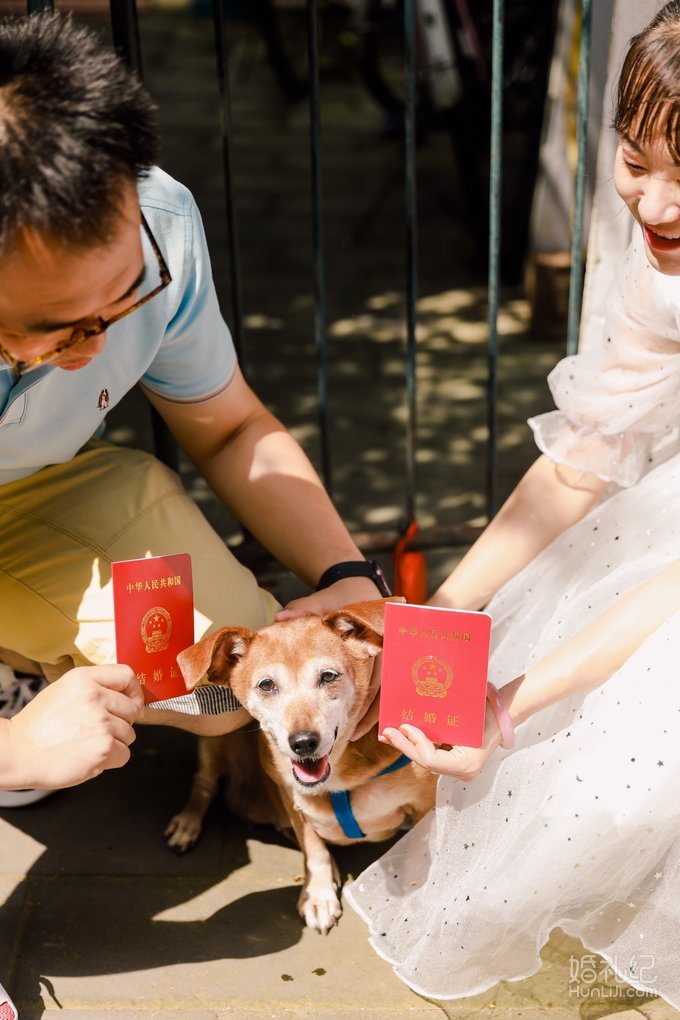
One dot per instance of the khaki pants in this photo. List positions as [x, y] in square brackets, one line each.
[61, 528]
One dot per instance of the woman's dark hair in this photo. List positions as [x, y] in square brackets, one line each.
[648, 98]
[74, 124]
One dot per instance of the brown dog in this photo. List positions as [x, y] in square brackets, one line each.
[307, 681]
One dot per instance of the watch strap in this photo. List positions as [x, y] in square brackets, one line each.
[355, 568]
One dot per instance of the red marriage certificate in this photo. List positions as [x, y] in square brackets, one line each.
[434, 672]
[153, 605]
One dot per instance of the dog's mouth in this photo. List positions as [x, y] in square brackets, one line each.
[312, 771]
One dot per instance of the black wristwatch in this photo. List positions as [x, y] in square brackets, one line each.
[355, 568]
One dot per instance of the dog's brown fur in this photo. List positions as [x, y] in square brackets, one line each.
[307, 682]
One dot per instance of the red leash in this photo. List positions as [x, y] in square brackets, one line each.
[409, 568]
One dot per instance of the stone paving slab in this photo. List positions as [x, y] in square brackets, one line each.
[235, 1012]
[213, 934]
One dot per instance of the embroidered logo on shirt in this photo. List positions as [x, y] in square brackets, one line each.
[103, 401]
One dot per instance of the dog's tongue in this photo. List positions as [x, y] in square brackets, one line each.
[311, 771]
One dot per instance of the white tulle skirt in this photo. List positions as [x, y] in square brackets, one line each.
[578, 827]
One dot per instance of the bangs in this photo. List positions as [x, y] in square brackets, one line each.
[648, 100]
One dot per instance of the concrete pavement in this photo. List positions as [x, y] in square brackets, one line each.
[102, 921]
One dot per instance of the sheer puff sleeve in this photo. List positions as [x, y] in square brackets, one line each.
[619, 401]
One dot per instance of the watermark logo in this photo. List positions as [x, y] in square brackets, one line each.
[591, 977]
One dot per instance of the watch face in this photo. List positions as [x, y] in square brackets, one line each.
[379, 578]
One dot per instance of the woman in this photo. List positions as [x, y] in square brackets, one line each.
[577, 826]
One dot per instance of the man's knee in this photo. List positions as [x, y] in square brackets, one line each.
[19, 663]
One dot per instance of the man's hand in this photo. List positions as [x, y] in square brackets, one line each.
[72, 730]
[336, 596]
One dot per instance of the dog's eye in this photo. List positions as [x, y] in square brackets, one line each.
[328, 676]
[267, 685]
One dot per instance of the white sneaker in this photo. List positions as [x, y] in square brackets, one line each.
[15, 693]
[8, 1010]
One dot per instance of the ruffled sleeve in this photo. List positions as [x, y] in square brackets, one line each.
[619, 401]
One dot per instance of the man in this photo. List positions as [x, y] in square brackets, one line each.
[106, 282]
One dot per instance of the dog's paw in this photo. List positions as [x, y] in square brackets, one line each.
[320, 908]
[182, 831]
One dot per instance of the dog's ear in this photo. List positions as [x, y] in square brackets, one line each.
[361, 624]
[216, 655]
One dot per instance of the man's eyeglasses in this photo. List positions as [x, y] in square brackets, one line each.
[81, 335]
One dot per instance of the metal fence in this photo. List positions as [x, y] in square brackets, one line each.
[417, 16]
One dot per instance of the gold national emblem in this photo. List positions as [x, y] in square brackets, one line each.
[156, 629]
[432, 676]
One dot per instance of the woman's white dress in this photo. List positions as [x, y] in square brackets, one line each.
[578, 827]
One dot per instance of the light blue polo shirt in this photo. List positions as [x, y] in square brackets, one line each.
[178, 345]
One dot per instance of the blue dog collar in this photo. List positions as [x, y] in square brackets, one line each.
[345, 815]
[343, 808]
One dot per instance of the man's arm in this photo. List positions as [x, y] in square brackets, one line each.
[259, 471]
[548, 500]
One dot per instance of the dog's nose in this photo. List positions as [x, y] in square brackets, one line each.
[304, 743]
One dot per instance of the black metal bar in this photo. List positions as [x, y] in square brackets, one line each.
[411, 216]
[125, 32]
[436, 537]
[232, 223]
[381, 541]
[317, 240]
[39, 6]
[495, 180]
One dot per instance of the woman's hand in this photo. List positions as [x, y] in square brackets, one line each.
[460, 762]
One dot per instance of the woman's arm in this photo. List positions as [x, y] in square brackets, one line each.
[599, 650]
[585, 661]
[548, 500]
